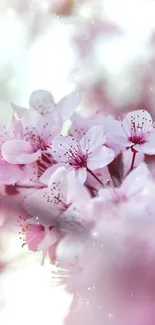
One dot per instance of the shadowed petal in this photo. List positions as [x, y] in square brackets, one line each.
[94, 137]
[136, 180]
[19, 152]
[42, 101]
[68, 104]
[100, 157]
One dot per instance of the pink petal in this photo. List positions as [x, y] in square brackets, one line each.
[19, 152]
[51, 237]
[68, 104]
[80, 126]
[120, 139]
[75, 188]
[146, 148]
[81, 175]
[53, 125]
[100, 157]
[10, 174]
[15, 129]
[48, 173]
[40, 205]
[110, 125]
[34, 235]
[61, 147]
[59, 176]
[52, 252]
[31, 172]
[94, 137]
[74, 220]
[33, 121]
[149, 146]
[19, 111]
[138, 116]
[42, 101]
[136, 180]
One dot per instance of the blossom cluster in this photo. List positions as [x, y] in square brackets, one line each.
[60, 188]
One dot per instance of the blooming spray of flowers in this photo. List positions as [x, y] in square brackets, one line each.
[85, 200]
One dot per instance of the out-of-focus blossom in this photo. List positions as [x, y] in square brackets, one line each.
[136, 132]
[132, 185]
[116, 277]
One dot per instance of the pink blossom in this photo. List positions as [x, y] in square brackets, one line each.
[137, 132]
[76, 199]
[39, 238]
[62, 208]
[51, 201]
[56, 204]
[81, 124]
[115, 278]
[132, 185]
[39, 125]
[43, 102]
[84, 156]
[125, 197]
[34, 235]
[18, 180]
[9, 173]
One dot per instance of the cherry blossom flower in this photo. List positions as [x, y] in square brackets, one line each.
[127, 195]
[40, 238]
[43, 102]
[57, 203]
[51, 201]
[59, 212]
[76, 199]
[84, 156]
[39, 125]
[9, 173]
[81, 124]
[132, 185]
[137, 132]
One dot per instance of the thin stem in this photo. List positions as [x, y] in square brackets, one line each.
[90, 172]
[133, 160]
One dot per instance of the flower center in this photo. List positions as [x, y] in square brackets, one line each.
[56, 197]
[136, 139]
[72, 154]
[37, 142]
[140, 128]
[78, 161]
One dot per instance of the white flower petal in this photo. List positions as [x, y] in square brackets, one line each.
[100, 157]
